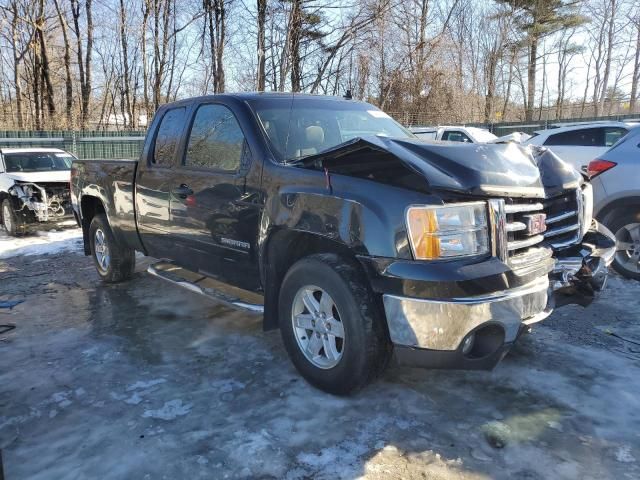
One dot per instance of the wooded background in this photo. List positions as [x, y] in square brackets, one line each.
[109, 64]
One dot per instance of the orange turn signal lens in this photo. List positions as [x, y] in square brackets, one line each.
[423, 224]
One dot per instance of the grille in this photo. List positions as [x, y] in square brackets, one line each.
[517, 244]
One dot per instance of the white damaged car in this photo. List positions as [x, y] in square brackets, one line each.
[34, 189]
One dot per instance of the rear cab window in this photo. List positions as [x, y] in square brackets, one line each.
[168, 137]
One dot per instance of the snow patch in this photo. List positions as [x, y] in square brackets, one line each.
[227, 385]
[42, 243]
[624, 455]
[142, 385]
[169, 411]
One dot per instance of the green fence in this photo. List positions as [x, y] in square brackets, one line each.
[87, 144]
[128, 144]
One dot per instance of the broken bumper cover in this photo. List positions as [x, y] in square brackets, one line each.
[475, 331]
[581, 272]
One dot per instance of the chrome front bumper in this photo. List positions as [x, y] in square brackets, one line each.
[444, 324]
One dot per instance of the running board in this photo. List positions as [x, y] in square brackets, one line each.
[208, 287]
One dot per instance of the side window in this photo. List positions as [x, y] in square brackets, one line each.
[456, 136]
[613, 134]
[216, 140]
[586, 137]
[426, 135]
[168, 137]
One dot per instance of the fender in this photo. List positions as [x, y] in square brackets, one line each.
[616, 203]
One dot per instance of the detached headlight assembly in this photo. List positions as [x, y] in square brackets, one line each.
[454, 230]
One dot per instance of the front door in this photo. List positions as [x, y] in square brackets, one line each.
[214, 205]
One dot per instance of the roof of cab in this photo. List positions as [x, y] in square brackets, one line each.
[244, 96]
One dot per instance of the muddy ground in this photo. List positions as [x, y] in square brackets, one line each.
[143, 380]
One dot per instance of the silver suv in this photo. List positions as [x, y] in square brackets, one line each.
[615, 177]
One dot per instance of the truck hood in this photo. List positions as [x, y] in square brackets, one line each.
[39, 177]
[504, 170]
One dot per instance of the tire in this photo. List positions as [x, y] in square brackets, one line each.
[626, 227]
[10, 220]
[364, 350]
[114, 262]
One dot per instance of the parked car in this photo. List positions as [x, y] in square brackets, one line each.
[580, 143]
[616, 181]
[454, 134]
[465, 135]
[34, 189]
[352, 236]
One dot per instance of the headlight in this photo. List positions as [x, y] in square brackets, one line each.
[586, 203]
[455, 230]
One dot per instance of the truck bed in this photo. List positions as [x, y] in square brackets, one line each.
[112, 182]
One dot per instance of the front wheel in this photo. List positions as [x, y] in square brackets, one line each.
[626, 227]
[114, 262]
[330, 324]
[9, 218]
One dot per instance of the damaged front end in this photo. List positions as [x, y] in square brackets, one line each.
[581, 272]
[43, 204]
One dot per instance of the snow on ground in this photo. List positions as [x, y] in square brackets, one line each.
[41, 243]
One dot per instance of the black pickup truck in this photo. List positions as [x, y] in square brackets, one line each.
[358, 241]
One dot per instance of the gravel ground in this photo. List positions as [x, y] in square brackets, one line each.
[143, 380]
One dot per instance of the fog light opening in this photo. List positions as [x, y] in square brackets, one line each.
[483, 342]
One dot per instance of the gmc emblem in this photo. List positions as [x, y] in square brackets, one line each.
[536, 223]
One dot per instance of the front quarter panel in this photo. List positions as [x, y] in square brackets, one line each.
[365, 216]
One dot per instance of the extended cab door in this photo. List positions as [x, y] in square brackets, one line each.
[154, 180]
[215, 200]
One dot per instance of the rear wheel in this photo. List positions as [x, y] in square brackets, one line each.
[330, 324]
[626, 227]
[9, 218]
[114, 262]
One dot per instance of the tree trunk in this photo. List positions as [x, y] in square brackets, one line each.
[636, 73]
[47, 93]
[221, 32]
[86, 94]
[126, 92]
[262, 16]
[296, 33]
[531, 78]
[491, 85]
[145, 65]
[608, 58]
[68, 81]
[17, 58]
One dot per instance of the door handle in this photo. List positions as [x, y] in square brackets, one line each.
[245, 198]
[183, 191]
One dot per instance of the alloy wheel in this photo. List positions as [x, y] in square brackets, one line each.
[317, 327]
[6, 217]
[101, 250]
[628, 247]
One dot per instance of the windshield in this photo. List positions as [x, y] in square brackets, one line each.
[37, 161]
[299, 127]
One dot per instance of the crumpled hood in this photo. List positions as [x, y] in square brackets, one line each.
[40, 177]
[478, 169]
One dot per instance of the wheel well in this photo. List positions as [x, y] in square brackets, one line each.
[607, 212]
[89, 208]
[284, 248]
